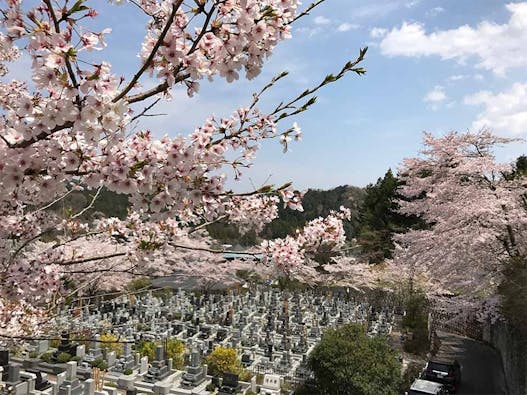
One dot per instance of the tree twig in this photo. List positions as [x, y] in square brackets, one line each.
[89, 206]
[307, 10]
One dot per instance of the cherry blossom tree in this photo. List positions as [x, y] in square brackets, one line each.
[68, 128]
[475, 209]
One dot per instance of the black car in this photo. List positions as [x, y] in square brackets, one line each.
[444, 371]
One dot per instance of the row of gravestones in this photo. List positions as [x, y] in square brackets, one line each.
[282, 323]
[21, 382]
[15, 380]
[149, 309]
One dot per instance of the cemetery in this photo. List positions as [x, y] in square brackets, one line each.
[272, 332]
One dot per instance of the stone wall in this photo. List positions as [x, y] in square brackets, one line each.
[513, 350]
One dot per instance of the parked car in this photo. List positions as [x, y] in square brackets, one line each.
[444, 371]
[424, 387]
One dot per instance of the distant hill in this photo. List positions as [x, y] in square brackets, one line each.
[108, 204]
[316, 203]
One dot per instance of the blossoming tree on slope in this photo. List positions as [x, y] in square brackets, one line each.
[67, 128]
[477, 217]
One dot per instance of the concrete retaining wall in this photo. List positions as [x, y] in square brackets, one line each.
[513, 350]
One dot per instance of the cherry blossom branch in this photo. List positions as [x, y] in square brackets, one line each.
[162, 87]
[145, 110]
[330, 78]
[291, 105]
[42, 135]
[107, 270]
[264, 190]
[71, 239]
[62, 197]
[204, 225]
[89, 206]
[134, 2]
[115, 293]
[307, 10]
[214, 251]
[57, 29]
[153, 52]
[27, 242]
[76, 290]
[90, 259]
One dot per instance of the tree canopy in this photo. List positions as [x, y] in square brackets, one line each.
[223, 360]
[347, 361]
[476, 214]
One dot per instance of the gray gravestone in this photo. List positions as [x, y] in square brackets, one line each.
[159, 353]
[127, 349]
[144, 365]
[111, 358]
[31, 385]
[20, 389]
[162, 388]
[42, 346]
[71, 370]
[61, 377]
[81, 351]
[89, 387]
[111, 390]
[13, 373]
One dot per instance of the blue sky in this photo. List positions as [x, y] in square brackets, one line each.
[431, 65]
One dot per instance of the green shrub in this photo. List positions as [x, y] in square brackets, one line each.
[347, 361]
[63, 357]
[46, 357]
[99, 363]
[33, 354]
[128, 371]
[210, 387]
[416, 322]
[246, 375]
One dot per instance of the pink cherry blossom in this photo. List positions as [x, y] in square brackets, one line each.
[70, 126]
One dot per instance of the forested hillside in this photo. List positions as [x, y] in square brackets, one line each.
[316, 203]
[107, 204]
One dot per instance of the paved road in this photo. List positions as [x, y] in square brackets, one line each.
[481, 368]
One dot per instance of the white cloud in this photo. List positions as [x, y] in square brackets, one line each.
[435, 11]
[436, 95]
[412, 3]
[322, 20]
[495, 47]
[378, 32]
[309, 31]
[456, 77]
[375, 9]
[503, 112]
[344, 27]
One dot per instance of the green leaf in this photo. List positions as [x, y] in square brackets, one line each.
[78, 6]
